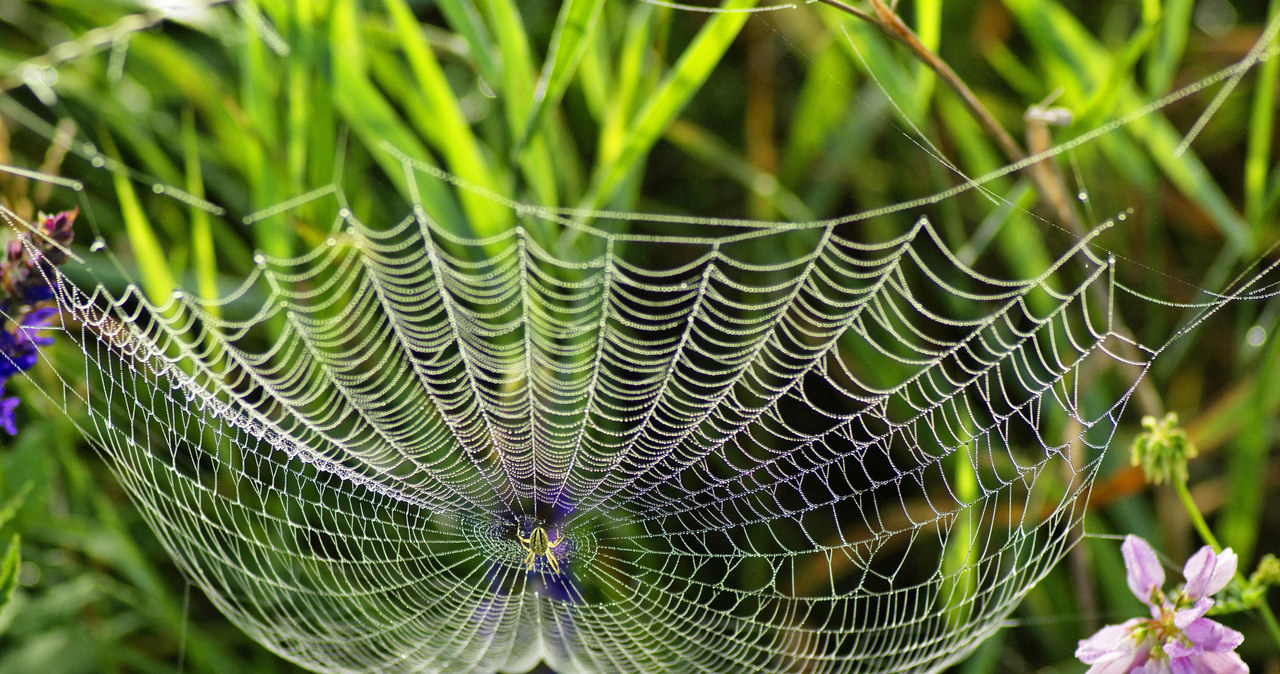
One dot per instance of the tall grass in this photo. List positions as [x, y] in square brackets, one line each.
[796, 114]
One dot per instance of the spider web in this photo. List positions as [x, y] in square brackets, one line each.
[744, 465]
[753, 446]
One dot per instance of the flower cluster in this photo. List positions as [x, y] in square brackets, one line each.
[24, 278]
[1177, 638]
[28, 261]
[1162, 449]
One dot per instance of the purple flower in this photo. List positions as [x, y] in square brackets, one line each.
[19, 352]
[1145, 575]
[25, 272]
[7, 405]
[28, 260]
[19, 349]
[1207, 573]
[1177, 639]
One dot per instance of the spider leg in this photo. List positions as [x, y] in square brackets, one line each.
[529, 560]
[555, 568]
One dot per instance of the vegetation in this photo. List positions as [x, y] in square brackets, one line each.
[797, 114]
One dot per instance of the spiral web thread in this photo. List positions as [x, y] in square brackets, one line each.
[859, 458]
[799, 465]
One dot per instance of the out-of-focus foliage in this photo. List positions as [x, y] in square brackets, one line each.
[793, 114]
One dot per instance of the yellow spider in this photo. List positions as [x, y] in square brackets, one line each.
[539, 545]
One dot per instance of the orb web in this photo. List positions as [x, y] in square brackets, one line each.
[759, 446]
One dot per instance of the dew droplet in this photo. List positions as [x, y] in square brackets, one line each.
[1256, 335]
[331, 241]
[260, 259]
[97, 245]
[1083, 196]
[98, 162]
[157, 188]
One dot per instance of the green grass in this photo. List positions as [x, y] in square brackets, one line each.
[628, 106]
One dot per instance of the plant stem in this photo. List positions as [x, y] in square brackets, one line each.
[1268, 618]
[1196, 518]
[888, 22]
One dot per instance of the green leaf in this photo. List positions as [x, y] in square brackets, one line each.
[823, 102]
[1261, 128]
[1081, 65]
[437, 115]
[1173, 17]
[929, 32]
[260, 92]
[203, 259]
[10, 508]
[569, 42]
[704, 146]
[630, 81]
[153, 265]
[9, 570]
[1240, 521]
[463, 17]
[673, 93]
[376, 122]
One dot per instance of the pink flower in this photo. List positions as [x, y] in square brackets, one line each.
[1177, 639]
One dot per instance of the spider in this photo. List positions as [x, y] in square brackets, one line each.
[539, 545]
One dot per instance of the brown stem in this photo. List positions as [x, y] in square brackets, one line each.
[888, 22]
[891, 25]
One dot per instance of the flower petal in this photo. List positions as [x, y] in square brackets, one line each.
[1223, 572]
[1212, 636]
[1208, 663]
[1220, 663]
[1125, 666]
[1177, 651]
[1198, 570]
[1145, 575]
[1189, 615]
[41, 317]
[32, 323]
[1207, 572]
[1109, 644]
[7, 405]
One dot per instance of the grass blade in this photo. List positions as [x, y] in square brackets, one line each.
[439, 118]
[9, 570]
[673, 93]
[153, 266]
[1082, 65]
[569, 42]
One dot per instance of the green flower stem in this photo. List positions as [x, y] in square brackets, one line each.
[1196, 518]
[1268, 618]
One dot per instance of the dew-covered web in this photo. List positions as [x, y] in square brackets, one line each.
[754, 446]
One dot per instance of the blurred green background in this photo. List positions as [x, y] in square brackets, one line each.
[793, 115]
